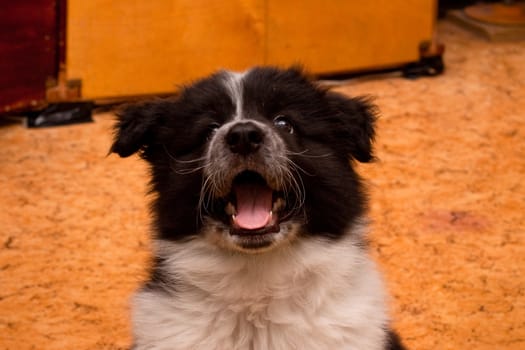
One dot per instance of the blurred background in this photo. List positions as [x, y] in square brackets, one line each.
[57, 50]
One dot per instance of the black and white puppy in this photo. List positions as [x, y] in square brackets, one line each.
[259, 217]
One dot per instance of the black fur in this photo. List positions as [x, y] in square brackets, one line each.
[328, 128]
[331, 131]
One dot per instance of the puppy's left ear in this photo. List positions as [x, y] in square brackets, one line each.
[356, 118]
[137, 127]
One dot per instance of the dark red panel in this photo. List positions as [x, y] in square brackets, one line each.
[29, 55]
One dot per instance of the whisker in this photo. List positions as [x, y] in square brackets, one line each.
[204, 197]
[294, 165]
[303, 154]
[300, 190]
[185, 171]
[188, 170]
[182, 161]
[189, 161]
[292, 183]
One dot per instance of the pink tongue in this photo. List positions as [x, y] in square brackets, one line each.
[254, 203]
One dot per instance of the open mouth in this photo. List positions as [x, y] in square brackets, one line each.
[253, 208]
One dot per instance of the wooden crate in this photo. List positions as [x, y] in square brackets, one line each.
[120, 47]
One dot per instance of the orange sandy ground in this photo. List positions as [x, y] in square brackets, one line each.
[447, 205]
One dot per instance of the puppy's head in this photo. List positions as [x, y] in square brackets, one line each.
[251, 161]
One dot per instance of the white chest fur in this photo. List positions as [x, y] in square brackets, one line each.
[312, 294]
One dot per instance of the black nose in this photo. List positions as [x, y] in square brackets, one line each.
[244, 138]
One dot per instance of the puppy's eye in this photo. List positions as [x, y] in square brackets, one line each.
[281, 122]
[211, 129]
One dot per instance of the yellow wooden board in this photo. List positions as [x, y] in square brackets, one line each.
[122, 47]
[342, 35]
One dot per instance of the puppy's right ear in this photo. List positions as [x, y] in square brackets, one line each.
[137, 127]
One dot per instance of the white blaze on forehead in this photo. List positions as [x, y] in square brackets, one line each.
[233, 84]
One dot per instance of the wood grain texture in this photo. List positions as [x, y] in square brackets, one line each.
[145, 47]
[142, 47]
[342, 36]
